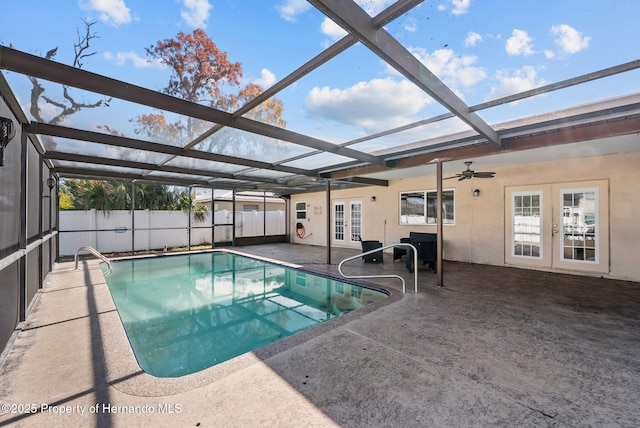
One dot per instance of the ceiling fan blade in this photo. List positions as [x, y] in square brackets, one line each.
[484, 174]
[463, 177]
[455, 176]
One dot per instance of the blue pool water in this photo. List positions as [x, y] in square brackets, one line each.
[184, 313]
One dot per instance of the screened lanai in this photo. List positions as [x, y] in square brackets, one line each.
[335, 95]
[313, 108]
[239, 148]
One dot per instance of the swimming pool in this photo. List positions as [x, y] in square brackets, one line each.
[185, 313]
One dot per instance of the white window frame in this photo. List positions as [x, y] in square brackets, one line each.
[596, 191]
[514, 232]
[344, 220]
[301, 211]
[424, 219]
[353, 235]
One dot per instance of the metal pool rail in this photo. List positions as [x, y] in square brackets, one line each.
[95, 253]
[415, 263]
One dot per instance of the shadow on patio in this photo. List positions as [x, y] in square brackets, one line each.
[496, 347]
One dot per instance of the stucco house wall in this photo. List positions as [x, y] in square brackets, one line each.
[478, 235]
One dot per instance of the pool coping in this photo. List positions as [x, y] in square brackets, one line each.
[124, 373]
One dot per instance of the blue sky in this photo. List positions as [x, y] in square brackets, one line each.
[481, 49]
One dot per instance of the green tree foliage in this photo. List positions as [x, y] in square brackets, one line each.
[197, 210]
[107, 196]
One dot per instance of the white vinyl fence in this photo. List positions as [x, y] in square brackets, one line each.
[157, 229]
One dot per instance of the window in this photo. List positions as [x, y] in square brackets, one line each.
[412, 208]
[250, 207]
[527, 224]
[301, 210]
[420, 207]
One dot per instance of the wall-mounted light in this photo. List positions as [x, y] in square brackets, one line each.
[7, 132]
[373, 199]
[476, 192]
[51, 182]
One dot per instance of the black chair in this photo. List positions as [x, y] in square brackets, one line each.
[398, 252]
[426, 245]
[373, 257]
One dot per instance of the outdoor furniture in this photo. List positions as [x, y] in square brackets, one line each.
[398, 252]
[426, 246]
[373, 257]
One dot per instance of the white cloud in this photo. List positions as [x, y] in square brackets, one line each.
[521, 80]
[112, 12]
[120, 58]
[472, 39]
[454, 70]
[460, 6]
[569, 39]
[373, 105]
[519, 43]
[289, 9]
[410, 25]
[267, 78]
[331, 29]
[196, 12]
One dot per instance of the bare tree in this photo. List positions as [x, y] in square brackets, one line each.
[69, 104]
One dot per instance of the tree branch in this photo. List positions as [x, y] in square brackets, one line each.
[82, 45]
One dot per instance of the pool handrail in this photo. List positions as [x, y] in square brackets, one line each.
[415, 263]
[95, 253]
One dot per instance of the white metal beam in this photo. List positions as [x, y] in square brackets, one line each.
[359, 24]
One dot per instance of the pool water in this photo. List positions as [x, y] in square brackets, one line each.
[185, 313]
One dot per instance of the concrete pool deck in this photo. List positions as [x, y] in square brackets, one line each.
[495, 347]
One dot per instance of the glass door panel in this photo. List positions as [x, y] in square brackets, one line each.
[528, 228]
[356, 221]
[581, 226]
[527, 224]
[579, 218]
[338, 221]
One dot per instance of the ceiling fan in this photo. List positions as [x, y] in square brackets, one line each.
[469, 173]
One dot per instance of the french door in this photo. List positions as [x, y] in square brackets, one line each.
[347, 222]
[558, 226]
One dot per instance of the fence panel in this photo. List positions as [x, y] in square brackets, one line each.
[156, 229]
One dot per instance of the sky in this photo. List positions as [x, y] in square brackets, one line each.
[482, 49]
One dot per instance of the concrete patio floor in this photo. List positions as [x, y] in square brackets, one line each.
[495, 347]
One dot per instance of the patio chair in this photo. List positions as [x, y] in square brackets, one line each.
[373, 257]
[425, 244]
[398, 252]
